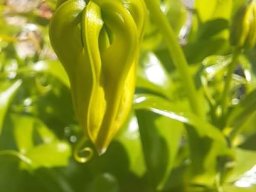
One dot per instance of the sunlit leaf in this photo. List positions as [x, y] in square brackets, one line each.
[233, 188]
[147, 86]
[23, 132]
[152, 74]
[210, 29]
[205, 9]
[6, 97]
[207, 144]
[241, 113]
[211, 75]
[53, 68]
[164, 107]
[164, 146]
[245, 137]
[208, 10]
[160, 139]
[129, 137]
[196, 51]
[41, 180]
[52, 154]
[157, 75]
[46, 135]
[38, 144]
[241, 167]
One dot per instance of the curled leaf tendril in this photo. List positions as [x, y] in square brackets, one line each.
[82, 153]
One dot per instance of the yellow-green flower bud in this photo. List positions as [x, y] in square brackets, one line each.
[97, 41]
[243, 29]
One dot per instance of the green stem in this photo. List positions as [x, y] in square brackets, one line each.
[228, 80]
[176, 54]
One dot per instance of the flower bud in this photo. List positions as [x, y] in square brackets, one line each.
[243, 29]
[98, 43]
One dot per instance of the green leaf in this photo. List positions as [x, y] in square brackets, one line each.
[52, 154]
[25, 128]
[208, 10]
[53, 68]
[41, 180]
[243, 110]
[6, 97]
[247, 139]
[160, 139]
[46, 135]
[129, 137]
[176, 112]
[38, 144]
[205, 9]
[241, 167]
[145, 85]
[233, 188]
[241, 113]
[105, 182]
[210, 28]
[212, 72]
[23, 132]
[152, 75]
[208, 146]
[213, 28]
[196, 51]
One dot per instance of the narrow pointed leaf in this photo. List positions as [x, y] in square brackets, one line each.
[6, 97]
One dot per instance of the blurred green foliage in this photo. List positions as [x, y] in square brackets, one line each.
[163, 146]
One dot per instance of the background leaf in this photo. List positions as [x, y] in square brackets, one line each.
[207, 144]
[6, 97]
[160, 139]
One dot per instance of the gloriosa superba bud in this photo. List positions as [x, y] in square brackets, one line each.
[243, 29]
[97, 41]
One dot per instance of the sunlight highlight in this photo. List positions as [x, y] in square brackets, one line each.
[248, 179]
